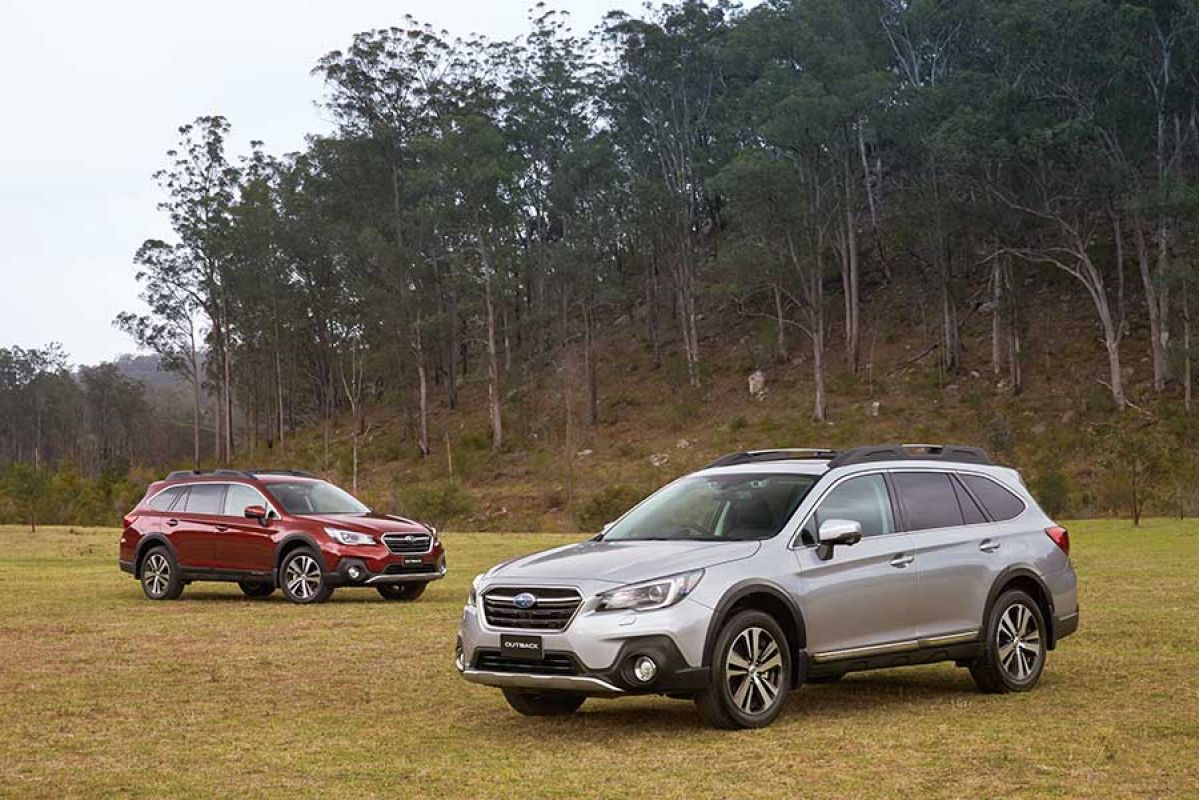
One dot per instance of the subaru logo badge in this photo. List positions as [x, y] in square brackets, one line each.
[409, 538]
[524, 600]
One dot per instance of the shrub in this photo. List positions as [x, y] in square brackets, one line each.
[1052, 489]
[438, 504]
[606, 505]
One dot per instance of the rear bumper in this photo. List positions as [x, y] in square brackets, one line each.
[127, 566]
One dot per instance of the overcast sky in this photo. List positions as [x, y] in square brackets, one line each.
[90, 99]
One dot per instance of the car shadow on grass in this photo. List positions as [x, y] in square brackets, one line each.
[855, 694]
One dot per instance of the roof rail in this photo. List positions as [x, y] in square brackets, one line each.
[781, 454]
[911, 452]
[295, 473]
[182, 473]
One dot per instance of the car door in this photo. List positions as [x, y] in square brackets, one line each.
[859, 601]
[195, 521]
[954, 552]
[241, 544]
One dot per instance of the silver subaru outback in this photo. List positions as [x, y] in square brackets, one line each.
[770, 569]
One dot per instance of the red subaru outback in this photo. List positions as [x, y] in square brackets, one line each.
[268, 529]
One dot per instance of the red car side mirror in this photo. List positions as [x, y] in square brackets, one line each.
[256, 512]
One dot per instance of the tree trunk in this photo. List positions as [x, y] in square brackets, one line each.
[1156, 335]
[589, 356]
[418, 351]
[1186, 347]
[996, 315]
[869, 184]
[195, 370]
[493, 364]
[852, 281]
[780, 336]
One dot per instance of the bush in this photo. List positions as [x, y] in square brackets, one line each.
[438, 504]
[606, 505]
[1051, 488]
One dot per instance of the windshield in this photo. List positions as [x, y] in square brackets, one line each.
[716, 508]
[315, 497]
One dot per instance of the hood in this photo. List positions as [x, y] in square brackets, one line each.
[369, 523]
[621, 562]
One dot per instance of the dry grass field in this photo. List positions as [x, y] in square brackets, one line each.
[108, 695]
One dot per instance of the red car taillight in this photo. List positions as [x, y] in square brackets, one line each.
[1060, 537]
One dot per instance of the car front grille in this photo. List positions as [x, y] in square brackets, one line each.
[550, 664]
[408, 542]
[552, 609]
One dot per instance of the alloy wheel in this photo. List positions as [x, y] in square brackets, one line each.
[1018, 642]
[303, 577]
[156, 574]
[753, 670]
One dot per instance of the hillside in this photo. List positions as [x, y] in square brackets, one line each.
[552, 475]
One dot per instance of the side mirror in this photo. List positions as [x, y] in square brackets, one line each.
[837, 531]
[256, 512]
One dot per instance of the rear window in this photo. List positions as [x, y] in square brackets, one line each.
[166, 498]
[1000, 503]
[927, 500]
[205, 498]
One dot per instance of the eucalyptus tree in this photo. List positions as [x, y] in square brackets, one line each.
[201, 186]
[666, 84]
[171, 329]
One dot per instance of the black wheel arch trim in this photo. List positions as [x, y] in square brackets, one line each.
[148, 541]
[739, 591]
[290, 540]
[1007, 576]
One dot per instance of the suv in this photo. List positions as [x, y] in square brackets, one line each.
[267, 529]
[770, 569]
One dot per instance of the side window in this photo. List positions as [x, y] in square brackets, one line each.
[206, 498]
[998, 501]
[238, 497]
[971, 513]
[165, 499]
[864, 500]
[927, 500]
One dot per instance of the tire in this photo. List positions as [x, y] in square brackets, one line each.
[302, 577]
[401, 591]
[159, 575]
[1014, 646]
[750, 673]
[256, 588]
[543, 704]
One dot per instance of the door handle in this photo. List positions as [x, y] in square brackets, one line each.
[172, 523]
[902, 560]
[222, 528]
[988, 545]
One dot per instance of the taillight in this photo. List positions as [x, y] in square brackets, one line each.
[1060, 537]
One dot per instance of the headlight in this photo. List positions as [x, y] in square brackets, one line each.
[349, 537]
[472, 597]
[650, 595]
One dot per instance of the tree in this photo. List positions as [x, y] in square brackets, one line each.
[171, 329]
[27, 487]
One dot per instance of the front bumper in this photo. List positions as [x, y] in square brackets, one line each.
[352, 571]
[596, 652]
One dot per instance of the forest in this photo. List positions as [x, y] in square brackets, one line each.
[484, 211]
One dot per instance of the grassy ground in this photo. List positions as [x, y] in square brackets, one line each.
[106, 694]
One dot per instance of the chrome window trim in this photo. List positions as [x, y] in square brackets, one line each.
[270, 507]
[796, 544]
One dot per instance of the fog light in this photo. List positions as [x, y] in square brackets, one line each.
[354, 572]
[459, 658]
[644, 669]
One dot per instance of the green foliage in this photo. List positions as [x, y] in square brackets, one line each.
[439, 504]
[28, 491]
[606, 505]
[1051, 488]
